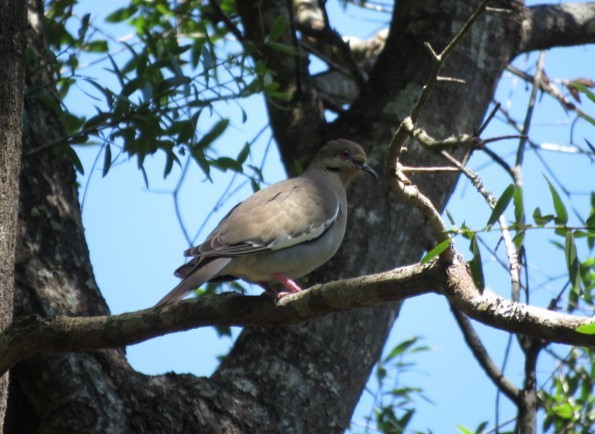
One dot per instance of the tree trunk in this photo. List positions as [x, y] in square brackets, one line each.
[12, 60]
[299, 379]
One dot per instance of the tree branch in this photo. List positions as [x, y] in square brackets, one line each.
[33, 334]
[504, 314]
[566, 24]
[483, 358]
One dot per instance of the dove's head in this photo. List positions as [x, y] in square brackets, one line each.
[343, 158]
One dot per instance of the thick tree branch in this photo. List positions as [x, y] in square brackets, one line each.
[33, 334]
[493, 310]
[566, 24]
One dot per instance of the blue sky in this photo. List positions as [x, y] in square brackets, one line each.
[136, 242]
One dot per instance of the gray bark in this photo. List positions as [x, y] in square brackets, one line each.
[12, 55]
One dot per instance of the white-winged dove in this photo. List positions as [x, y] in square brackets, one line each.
[282, 232]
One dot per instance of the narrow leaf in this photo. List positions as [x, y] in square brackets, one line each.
[572, 265]
[284, 48]
[75, 160]
[501, 204]
[278, 27]
[540, 219]
[519, 207]
[213, 134]
[400, 348]
[587, 329]
[243, 153]
[107, 161]
[561, 213]
[120, 15]
[475, 265]
[441, 247]
[564, 411]
[584, 89]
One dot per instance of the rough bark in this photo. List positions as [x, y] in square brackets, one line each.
[291, 379]
[12, 56]
[562, 25]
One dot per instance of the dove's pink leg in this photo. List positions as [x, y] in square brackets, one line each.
[291, 286]
[288, 283]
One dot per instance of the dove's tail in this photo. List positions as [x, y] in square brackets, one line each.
[204, 272]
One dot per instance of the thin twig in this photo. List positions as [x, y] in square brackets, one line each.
[511, 253]
[527, 124]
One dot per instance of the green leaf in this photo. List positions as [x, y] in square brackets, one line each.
[519, 207]
[213, 134]
[225, 163]
[169, 163]
[120, 15]
[565, 411]
[439, 248]
[75, 160]
[586, 329]
[464, 430]
[561, 213]
[587, 117]
[572, 265]
[173, 82]
[400, 348]
[107, 161]
[96, 121]
[541, 220]
[583, 89]
[278, 28]
[200, 158]
[254, 185]
[84, 27]
[284, 48]
[481, 427]
[518, 239]
[243, 155]
[99, 46]
[501, 204]
[475, 265]
[207, 58]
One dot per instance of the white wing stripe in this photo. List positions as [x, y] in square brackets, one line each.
[309, 234]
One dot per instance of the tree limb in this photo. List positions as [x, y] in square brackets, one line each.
[562, 25]
[493, 310]
[34, 334]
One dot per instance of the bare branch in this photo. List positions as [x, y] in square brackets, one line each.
[405, 190]
[528, 117]
[561, 25]
[483, 358]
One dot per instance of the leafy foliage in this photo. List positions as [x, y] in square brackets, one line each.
[394, 402]
[170, 79]
[569, 402]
